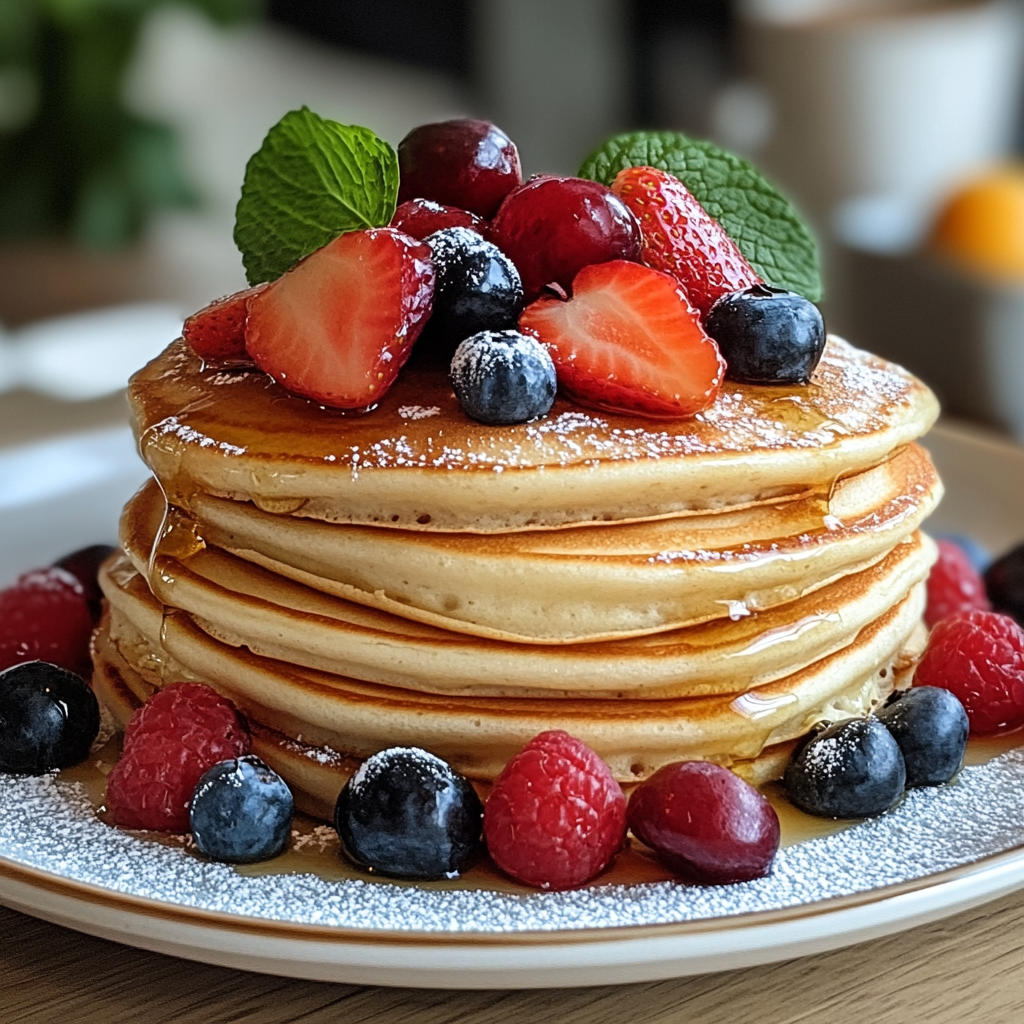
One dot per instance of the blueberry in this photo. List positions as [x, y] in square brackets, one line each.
[84, 565]
[767, 335]
[852, 769]
[241, 811]
[408, 814]
[477, 288]
[49, 718]
[930, 726]
[1004, 584]
[503, 377]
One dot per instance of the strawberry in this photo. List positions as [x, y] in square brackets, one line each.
[340, 324]
[681, 238]
[217, 332]
[628, 341]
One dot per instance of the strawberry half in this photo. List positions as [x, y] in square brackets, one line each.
[217, 332]
[629, 341]
[340, 324]
[682, 238]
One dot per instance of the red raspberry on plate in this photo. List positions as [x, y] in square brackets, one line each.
[45, 616]
[169, 743]
[556, 817]
[217, 332]
[954, 585]
[979, 657]
[681, 238]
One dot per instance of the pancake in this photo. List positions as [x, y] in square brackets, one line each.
[316, 774]
[478, 735]
[418, 462]
[595, 583]
[246, 606]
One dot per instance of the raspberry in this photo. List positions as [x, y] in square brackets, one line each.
[555, 817]
[979, 657]
[169, 743]
[45, 617]
[954, 585]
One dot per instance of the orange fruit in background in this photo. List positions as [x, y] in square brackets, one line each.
[982, 225]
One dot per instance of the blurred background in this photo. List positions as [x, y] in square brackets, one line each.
[125, 126]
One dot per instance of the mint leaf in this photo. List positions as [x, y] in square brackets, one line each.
[309, 182]
[759, 219]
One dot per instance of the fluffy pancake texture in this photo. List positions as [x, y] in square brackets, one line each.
[708, 589]
[418, 462]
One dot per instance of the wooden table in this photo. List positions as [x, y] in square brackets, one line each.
[964, 969]
[968, 968]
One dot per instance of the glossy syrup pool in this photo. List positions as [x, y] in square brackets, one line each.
[315, 848]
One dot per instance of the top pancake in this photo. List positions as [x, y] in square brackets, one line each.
[417, 462]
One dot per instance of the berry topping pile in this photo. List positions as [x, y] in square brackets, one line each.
[408, 814]
[343, 284]
[555, 817]
[180, 733]
[628, 340]
[471, 165]
[48, 718]
[422, 217]
[979, 657]
[241, 811]
[338, 327]
[554, 227]
[767, 335]
[705, 823]
[681, 238]
[503, 377]
[477, 288]
[954, 585]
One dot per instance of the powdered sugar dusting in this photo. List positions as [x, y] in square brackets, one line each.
[53, 828]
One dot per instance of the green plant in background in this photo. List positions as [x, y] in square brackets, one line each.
[74, 162]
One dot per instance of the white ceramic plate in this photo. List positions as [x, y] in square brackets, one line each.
[821, 896]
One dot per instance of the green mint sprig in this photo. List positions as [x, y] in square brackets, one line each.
[758, 218]
[310, 181]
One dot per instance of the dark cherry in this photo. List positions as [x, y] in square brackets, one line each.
[552, 228]
[422, 217]
[1004, 583]
[705, 823]
[468, 164]
[84, 565]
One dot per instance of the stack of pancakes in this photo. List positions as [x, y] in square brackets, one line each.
[703, 589]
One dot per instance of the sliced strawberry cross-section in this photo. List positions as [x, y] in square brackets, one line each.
[339, 326]
[682, 238]
[217, 332]
[629, 341]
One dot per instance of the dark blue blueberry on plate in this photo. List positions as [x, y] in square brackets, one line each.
[241, 811]
[503, 377]
[477, 288]
[1004, 584]
[767, 335]
[408, 814]
[49, 718]
[930, 726]
[853, 769]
